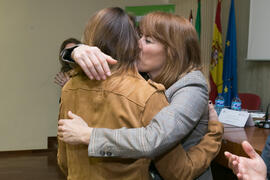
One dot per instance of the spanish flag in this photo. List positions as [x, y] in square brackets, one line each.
[216, 64]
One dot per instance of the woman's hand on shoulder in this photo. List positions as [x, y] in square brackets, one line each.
[61, 78]
[93, 62]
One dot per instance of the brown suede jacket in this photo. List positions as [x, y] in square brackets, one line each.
[129, 101]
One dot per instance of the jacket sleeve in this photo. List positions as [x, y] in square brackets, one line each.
[200, 156]
[62, 157]
[61, 151]
[153, 106]
[178, 164]
[166, 129]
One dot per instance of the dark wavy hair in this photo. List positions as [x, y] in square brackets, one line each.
[113, 32]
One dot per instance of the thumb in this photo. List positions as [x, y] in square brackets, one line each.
[211, 107]
[110, 60]
[249, 150]
[212, 112]
[72, 116]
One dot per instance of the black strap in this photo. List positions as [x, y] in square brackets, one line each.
[66, 54]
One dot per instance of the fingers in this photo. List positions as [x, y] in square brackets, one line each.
[93, 62]
[60, 138]
[60, 122]
[110, 60]
[249, 150]
[58, 77]
[102, 66]
[56, 81]
[239, 176]
[210, 105]
[99, 60]
[61, 79]
[61, 75]
[227, 154]
[61, 126]
[229, 157]
[66, 77]
[233, 161]
[212, 112]
[73, 116]
[60, 134]
[85, 68]
[104, 63]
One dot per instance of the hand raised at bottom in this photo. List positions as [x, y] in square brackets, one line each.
[247, 168]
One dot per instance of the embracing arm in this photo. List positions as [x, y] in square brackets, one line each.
[61, 151]
[178, 164]
[167, 128]
[62, 157]
[200, 156]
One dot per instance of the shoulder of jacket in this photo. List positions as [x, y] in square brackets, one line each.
[195, 78]
[157, 86]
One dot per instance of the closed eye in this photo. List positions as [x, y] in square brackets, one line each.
[148, 40]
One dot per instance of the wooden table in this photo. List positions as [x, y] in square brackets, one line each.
[233, 137]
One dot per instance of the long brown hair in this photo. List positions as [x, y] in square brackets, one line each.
[65, 67]
[112, 31]
[180, 41]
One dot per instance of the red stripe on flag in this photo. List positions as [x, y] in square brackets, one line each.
[217, 20]
[213, 90]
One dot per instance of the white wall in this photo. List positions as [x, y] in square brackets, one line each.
[259, 27]
[30, 35]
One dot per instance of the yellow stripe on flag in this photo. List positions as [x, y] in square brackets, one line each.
[216, 64]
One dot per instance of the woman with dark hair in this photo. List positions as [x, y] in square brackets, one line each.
[123, 100]
[171, 55]
[63, 76]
